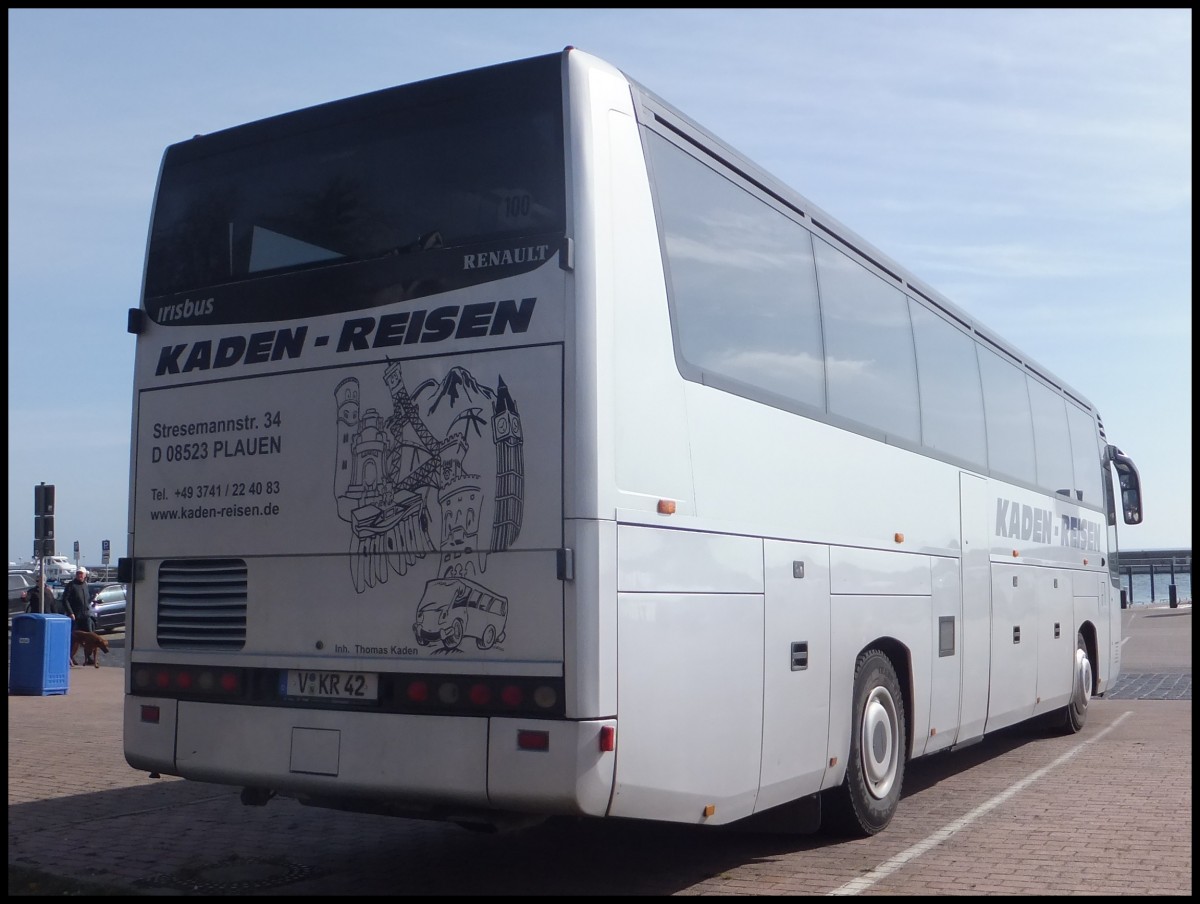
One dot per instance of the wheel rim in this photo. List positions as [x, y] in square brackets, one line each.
[1083, 679]
[879, 743]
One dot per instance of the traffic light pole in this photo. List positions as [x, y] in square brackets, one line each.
[43, 535]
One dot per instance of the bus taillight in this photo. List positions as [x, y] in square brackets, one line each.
[480, 694]
[187, 681]
[511, 695]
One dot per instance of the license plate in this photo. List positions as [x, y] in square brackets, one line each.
[350, 686]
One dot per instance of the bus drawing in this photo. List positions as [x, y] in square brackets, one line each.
[452, 609]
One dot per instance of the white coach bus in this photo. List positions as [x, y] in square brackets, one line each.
[506, 445]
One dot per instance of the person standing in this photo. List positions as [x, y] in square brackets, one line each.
[75, 600]
[41, 589]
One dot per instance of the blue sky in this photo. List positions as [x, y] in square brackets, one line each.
[1032, 165]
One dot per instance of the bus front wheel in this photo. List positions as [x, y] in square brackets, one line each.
[1075, 712]
[866, 800]
[454, 635]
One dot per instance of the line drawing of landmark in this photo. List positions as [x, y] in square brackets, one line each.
[399, 482]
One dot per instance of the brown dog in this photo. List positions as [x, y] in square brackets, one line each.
[91, 643]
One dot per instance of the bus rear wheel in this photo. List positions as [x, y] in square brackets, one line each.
[867, 799]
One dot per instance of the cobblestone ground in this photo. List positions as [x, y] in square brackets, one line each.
[1152, 686]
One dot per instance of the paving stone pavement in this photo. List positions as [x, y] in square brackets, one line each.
[1106, 811]
[1152, 686]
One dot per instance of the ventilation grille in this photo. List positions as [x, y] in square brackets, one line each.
[202, 604]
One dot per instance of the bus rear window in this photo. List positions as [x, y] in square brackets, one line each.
[453, 161]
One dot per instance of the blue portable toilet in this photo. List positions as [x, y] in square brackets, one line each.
[38, 661]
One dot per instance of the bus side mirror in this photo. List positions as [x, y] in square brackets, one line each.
[1131, 485]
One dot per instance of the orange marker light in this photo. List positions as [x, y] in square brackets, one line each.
[666, 506]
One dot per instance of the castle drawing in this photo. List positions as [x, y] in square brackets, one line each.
[422, 472]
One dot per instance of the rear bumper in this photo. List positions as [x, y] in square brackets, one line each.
[340, 758]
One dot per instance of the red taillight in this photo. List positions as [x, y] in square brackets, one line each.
[186, 680]
[608, 738]
[480, 694]
[511, 695]
[533, 740]
[418, 692]
[150, 714]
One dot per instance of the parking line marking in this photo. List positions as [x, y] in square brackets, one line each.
[854, 886]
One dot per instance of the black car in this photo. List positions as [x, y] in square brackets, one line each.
[18, 584]
[108, 608]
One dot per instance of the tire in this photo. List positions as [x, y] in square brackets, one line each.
[867, 799]
[1075, 712]
[455, 635]
[488, 640]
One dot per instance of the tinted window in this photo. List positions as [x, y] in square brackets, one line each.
[1085, 456]
[870, 364]
[764, 308]
[1052, 442]
[1009, 423]
[468, 158]
[742, 280]
[951, 395]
